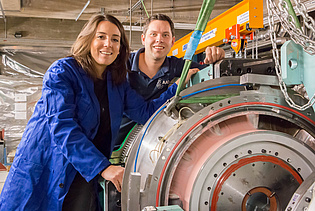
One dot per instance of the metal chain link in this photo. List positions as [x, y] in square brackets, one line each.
[286, 20]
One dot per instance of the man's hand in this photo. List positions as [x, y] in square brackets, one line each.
[189, 74]
[115, 175]
[213, 54]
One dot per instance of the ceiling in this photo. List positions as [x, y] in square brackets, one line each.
[47, 28]
[56, 23]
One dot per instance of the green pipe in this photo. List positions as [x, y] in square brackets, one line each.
[204, 15]
[203, 18]
[293, 14]
[207, 99]
[146, 12]
[183, 77]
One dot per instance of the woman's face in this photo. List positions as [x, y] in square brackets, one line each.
[105, 45]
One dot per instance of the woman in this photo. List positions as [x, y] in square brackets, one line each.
[69, 138]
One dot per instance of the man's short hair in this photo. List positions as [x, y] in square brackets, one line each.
[160, 17]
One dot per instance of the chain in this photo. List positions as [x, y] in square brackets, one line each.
[296, 35]
[307, 20]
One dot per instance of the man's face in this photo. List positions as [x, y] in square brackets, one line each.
[158, 39]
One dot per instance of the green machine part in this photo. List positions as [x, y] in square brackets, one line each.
[172, 207]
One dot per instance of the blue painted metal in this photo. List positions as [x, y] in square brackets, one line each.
[5, 158]
[298, 67]
[203, 75]
[172, 207]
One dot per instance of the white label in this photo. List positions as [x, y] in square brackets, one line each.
[243, 18]
[185, 47]
[20, 115]
[234, 44]
[175, 52]
[20, 106]
[20, 97]
[208, 35]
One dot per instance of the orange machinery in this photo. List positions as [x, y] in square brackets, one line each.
[234, 26]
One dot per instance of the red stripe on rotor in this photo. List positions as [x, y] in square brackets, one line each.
[243, 162]
[209, 115]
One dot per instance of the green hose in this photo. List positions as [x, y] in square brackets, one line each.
[203, 18]
[293, 14]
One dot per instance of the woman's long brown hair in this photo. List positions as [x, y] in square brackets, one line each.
[81, 49]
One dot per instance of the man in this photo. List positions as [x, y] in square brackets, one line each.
[151, 69]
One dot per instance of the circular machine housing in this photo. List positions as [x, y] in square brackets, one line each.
[249, 151]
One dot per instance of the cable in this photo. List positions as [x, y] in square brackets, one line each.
[159, 146]
[194, 93]
[136, 160]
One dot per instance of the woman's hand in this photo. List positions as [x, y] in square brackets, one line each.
[115, 175]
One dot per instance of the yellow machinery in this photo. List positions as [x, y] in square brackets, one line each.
[235, 25]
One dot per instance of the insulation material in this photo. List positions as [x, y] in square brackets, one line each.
[21, 73]
[14, 68]
[18, 97]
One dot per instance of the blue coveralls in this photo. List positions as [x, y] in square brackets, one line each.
[57, 143]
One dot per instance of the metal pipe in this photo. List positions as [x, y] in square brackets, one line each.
[136, 5]
[173, 14]
[130, 31]
[85, 6]
[103, 11]
[257, 45]
[2, 10]
[140, 21]
[253, 52]
[5, 29]
[4, 19]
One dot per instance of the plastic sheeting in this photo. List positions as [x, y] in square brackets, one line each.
[18, 97]
[21, 72]
[15, 68]
[30, 62]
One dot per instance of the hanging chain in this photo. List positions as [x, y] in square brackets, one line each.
[296, 34]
